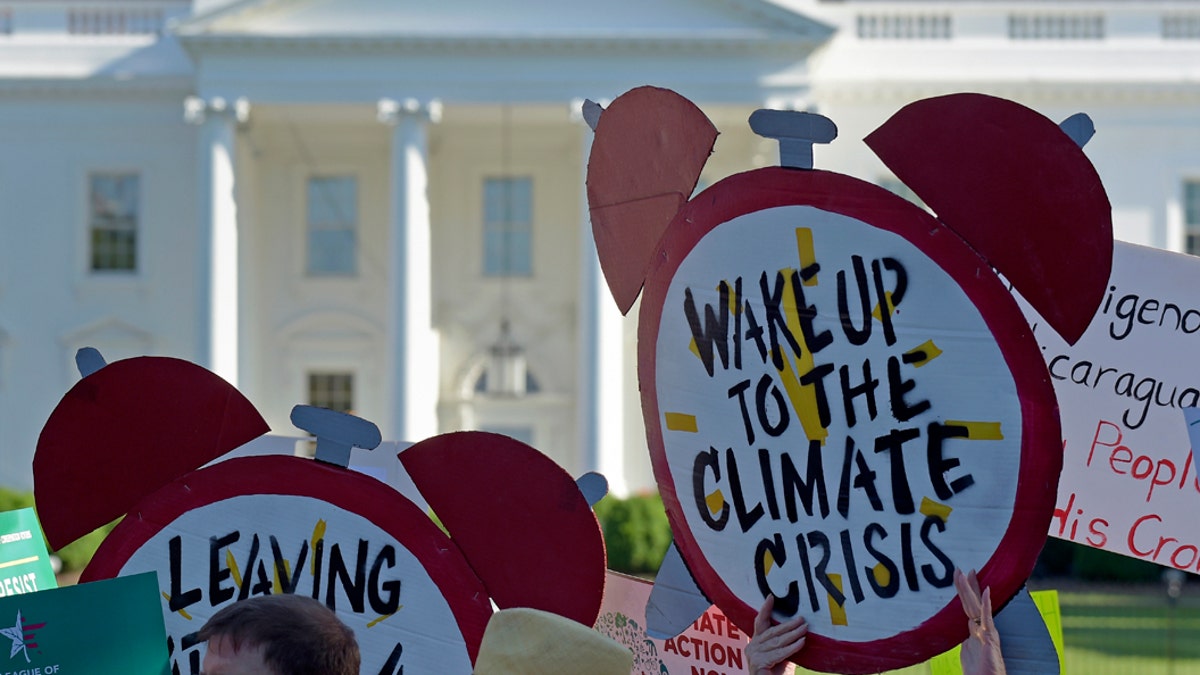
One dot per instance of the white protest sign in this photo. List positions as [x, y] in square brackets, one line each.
[267, 525]
[1129, 481]
[843, 457]
[880, 515]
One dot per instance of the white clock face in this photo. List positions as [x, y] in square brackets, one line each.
[214, 555]
[841, 457]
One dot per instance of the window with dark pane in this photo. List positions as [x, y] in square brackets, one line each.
[113, 221]
[1191, 217]
[331, 390]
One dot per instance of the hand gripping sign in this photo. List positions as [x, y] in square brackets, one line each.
[843, 402]
[129, 438]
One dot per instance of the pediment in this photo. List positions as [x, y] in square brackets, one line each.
[113, 338]
[525, 21]
[328, 327]
[108, 331]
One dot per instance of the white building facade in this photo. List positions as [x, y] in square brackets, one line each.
[363, 203]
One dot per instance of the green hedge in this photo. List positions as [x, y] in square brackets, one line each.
[1061, 558]
[1093, 564]
[636, 532]
[76, 555]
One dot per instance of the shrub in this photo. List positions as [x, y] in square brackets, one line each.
[77, 554]
[1093, 564]
[11, 500]
[1055, 559]
[636, 532]
[1061, 558]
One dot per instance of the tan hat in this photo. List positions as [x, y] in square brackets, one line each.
[523, 641]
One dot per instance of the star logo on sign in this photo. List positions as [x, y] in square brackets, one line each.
[17, 634]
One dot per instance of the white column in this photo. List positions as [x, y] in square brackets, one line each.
[218, 227]
[412, 359]
[600, 403]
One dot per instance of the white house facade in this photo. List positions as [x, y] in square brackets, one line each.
[379, 206]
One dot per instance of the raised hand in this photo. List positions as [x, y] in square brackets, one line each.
[770, 647]
[981, 650]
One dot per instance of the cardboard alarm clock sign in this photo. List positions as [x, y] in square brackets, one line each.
[843, 402]
[223, 535]
[851, 465]
[417, 597]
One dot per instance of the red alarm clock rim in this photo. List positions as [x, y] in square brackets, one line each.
[1010, 564]
[294, 476]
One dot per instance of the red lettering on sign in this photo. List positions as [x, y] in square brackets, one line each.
[1124, 461]
[1133, 531]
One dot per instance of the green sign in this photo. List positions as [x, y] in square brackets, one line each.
[112, 627]
[24, 561]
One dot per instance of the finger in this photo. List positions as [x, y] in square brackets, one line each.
[988, 622]
[960, 582]
[789, 649]
[784, 632]
[791, 631]
[780, 653]
[793, 623]
[762, 621]
[973, 579]
[966, 595]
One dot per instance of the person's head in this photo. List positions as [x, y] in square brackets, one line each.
[278, 635]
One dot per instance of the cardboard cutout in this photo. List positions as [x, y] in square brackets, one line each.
[262, 525]
[1191, 417]
[183, 415]
[557, 564]
[1018, 188]
[276, 524]
[668, 139]
[847, 466]
[843, 404]
[675, 601]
